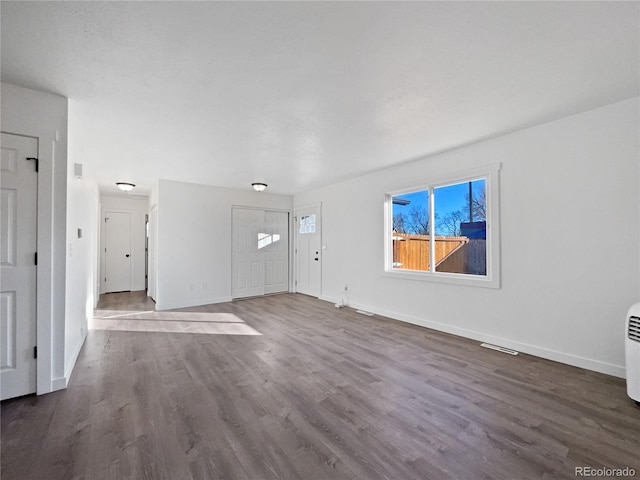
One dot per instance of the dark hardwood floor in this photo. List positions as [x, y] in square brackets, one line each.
[322, 393]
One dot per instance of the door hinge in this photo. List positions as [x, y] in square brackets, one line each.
[296, 283]
[37, 162]
[35, 352]
[35, 259]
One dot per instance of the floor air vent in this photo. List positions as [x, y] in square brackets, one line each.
[500, 349]
[368, 314]
[634, 329]
[632, 352]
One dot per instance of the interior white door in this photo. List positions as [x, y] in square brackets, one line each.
[18, 228]
[247, 258]
[308, 250]
[117, 255]
[274, 242]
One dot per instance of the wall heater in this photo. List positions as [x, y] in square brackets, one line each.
[632, 349]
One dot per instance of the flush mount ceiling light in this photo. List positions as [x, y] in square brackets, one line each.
[259, 187]
[125, 186]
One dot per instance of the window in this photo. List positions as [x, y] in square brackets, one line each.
[446, 231]
[308, 224]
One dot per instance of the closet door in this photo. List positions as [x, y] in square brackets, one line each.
[260, 252]
[275, 246]
[247, 259]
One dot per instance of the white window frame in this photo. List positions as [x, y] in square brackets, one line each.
[491, 174]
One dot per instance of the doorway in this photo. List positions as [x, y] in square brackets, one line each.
[18, 265]
[260, 252]
[117, 252]
[308, 223]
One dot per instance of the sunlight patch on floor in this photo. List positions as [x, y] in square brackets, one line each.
[171, 322]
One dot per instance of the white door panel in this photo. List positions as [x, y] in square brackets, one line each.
[18, 242]
[117, 262]
[276, 251]
[248, 269]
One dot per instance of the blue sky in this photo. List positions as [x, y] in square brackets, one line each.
[451, 197]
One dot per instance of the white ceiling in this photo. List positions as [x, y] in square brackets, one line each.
[302, 94]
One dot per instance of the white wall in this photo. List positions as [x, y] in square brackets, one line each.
[138, 207]
[44, 116]
[570, 235]
[194, 240]
[82, 252]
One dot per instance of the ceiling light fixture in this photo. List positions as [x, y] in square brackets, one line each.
[259, 187]
[125, 186]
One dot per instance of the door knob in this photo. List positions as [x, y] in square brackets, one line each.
[127, 255]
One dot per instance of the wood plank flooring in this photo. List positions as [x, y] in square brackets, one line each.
[322, 393]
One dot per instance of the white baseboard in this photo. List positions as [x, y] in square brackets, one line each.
[59, 383]
[542, 352]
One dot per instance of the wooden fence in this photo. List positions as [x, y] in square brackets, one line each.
[453, 254]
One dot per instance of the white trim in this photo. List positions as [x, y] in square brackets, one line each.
[490, 173]
[264, 209]
[59, 383]
[455, 177]
[443, 277]
[72, 361]
[542, 352]
[45, 311]
[153, 235]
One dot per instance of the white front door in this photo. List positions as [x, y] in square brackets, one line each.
[247, 259]
[117, 255]
[275, 245]
[18, 207]
[309, 251]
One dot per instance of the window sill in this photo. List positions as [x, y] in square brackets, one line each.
[446, 278]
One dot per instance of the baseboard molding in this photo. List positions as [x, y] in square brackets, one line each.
[191, 303]
[59, 383]
[542, 352]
